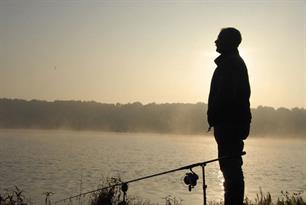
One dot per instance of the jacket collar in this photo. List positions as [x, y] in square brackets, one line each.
[221, 58]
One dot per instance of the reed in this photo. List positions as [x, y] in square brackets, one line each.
[114, 196]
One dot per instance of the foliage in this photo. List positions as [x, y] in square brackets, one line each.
[114, 196]
[266, 199]
[135, 117]
[287, 199]
[13, 197]
[107, 196]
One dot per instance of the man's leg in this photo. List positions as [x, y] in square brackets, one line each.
[228, 145]
[233, 182]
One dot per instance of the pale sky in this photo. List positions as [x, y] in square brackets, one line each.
[148, 51]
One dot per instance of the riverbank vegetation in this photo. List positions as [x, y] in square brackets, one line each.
[114, 196]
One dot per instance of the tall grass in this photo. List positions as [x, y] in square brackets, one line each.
[13, 196]
[114, 196]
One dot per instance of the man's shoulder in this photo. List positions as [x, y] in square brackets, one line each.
[237, 61]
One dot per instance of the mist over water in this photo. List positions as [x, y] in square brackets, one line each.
[60, 161]
[167, 118]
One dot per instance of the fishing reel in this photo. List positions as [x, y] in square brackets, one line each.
[190, 179]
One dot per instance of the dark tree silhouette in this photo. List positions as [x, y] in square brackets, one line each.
[178, 118]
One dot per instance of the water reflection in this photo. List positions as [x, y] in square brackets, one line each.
[220, 179]
[65, 156]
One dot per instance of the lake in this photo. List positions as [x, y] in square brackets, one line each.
[67, 162]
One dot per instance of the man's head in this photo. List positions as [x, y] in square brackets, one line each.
[228, 40]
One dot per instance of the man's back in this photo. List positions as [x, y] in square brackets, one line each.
[230, 91]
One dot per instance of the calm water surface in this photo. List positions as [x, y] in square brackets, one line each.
[66, 162]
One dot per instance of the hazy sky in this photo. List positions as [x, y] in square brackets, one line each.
[148, 51]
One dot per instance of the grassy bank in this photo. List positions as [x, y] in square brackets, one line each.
[115, 196]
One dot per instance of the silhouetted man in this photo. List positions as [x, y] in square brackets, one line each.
[229, 111]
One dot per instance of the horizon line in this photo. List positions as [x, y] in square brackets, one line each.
[142, 103]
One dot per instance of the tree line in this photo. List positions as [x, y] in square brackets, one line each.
[181, 118]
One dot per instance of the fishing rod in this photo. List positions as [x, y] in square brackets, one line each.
[190, 179]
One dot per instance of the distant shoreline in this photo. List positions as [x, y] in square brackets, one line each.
[210, 134]
[175, 118]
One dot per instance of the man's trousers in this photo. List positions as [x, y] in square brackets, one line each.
[230, 143]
